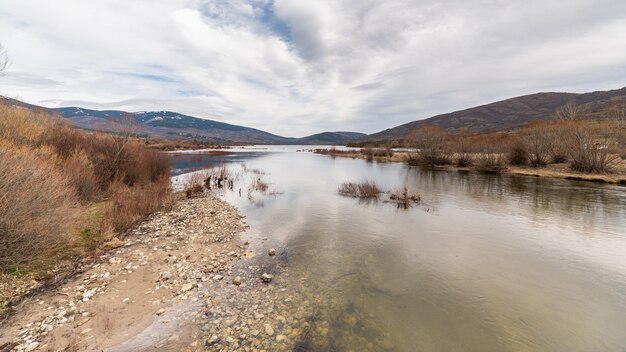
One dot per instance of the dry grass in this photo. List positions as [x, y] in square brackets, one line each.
[129, 205]
[37, 206]
[364, 189]
[51, 174]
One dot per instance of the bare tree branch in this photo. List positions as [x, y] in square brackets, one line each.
[4, 59]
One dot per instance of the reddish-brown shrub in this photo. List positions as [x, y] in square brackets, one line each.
[130, 205]
[37, 206]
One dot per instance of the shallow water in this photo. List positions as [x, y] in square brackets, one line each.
[485, 263]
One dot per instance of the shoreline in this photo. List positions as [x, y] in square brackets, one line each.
[167, 263]
[557, 171]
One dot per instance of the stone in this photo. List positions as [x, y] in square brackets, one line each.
[212, 341]
[272, 252]
[269, 329]
[86, 331]
[31, 346]
[266, 277]
[217, 277]
[186, 287]
[237, 281]
[280, 338]
[161, 311]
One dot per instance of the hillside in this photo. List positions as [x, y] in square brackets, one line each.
[510, 113]
[173, 125]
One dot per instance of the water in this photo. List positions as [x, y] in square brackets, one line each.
[485, 263]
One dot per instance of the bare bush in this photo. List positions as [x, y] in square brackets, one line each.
[403, 198]
[365, 189]
[37, 206]
[519, 154]
[539, 144]
[130, 205]
[491, 163]
[588, 151]
[430, 142]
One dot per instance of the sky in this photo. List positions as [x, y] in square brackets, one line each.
[297, 67]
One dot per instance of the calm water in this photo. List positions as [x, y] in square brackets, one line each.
[485, 263]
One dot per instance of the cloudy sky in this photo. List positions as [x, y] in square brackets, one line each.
[296, 67]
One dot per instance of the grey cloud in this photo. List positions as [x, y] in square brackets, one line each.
[310, 66]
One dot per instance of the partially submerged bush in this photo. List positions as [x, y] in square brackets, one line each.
[403, 198]
[37, 206]
[365, 189]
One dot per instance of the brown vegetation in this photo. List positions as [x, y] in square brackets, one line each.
[364, 189]
[403, 198]
[51, 175]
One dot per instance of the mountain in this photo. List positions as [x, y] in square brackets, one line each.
[173, 125]
[331, 138]
[511, 113]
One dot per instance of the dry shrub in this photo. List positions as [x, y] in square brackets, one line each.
[81, 173]
[431, 143]
[258, 184]
[365, 189]
[21, 126]
[491, 163]
[589, 150]
[129, 205]
[194, 183]
[37, 206]
[518, 154]
[403, 198]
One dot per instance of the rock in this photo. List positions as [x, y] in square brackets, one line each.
[217, 277]
[272, 252]
[266, 277]
[280, 338]
[126, 300]
[269, 329]
[86, 331]
[212, 341]
[186, 287]
[161, 311]
[258, 315]
[31, 346]
[237, 281]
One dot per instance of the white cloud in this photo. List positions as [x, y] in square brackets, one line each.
[297, 67]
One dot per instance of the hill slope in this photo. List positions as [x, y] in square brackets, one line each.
[173, 125]
[510, 113]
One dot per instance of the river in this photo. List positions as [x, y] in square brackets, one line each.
[483, 263]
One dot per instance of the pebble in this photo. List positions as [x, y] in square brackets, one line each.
[269, 329]
[237, 281]
[272, 252]
[266, 277]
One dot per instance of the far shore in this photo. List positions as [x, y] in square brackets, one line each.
[560, 171]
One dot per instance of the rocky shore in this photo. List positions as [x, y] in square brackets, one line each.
[149, 291]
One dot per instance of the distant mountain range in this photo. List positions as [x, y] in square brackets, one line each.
[511, 113]
[502, 115]
[173, 125]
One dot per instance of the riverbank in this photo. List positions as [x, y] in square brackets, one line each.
[560, 170]
[126, 296]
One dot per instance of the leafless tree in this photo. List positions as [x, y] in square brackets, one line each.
[4, 58]
[123, 130]
[571, 111]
